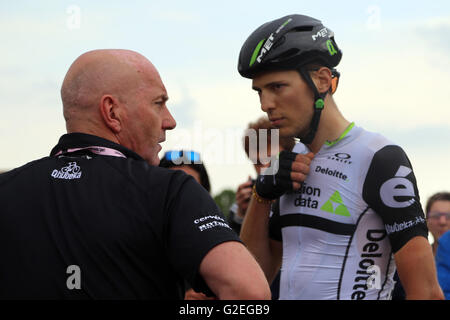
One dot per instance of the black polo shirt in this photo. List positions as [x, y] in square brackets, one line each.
[101, 223]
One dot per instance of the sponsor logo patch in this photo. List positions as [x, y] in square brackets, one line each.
[69, 172]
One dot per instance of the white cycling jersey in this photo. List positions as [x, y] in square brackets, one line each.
[358, 206]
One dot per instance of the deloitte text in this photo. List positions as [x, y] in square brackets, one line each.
[368, 277]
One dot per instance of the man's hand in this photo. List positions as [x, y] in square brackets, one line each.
[292, 171]
[193, 295]
[243, 195]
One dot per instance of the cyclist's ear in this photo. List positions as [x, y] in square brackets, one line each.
[322, 79]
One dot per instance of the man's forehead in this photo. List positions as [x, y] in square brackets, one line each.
[156, 89]
[272, 76]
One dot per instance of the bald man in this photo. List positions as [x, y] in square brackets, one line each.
[98, 219]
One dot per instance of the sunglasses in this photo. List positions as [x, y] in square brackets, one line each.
[434, 215]
[176, 155]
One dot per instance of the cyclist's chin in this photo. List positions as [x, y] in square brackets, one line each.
[287, 131]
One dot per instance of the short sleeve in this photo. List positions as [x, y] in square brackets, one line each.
[195, 225]
[390, 188]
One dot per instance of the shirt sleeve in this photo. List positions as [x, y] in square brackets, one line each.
[195, 226]
[390, 188]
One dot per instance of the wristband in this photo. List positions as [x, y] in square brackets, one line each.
[258, 198]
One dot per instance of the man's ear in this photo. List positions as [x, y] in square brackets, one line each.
[322, 79]
[109, 109]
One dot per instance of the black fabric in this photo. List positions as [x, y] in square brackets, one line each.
[275, 222]
[314, 222]
[399, 292]
[390, 188]
[135, 231]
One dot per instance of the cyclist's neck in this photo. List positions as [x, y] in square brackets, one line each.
[331, 127]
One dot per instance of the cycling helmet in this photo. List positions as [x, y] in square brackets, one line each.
[291, 43]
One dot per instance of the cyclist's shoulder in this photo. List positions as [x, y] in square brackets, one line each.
[374, 146]
[369, 141]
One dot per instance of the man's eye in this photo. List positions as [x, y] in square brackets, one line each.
[278, 85]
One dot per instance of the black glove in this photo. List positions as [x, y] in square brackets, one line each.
[276, 180]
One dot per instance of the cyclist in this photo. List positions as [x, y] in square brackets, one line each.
[349, 212]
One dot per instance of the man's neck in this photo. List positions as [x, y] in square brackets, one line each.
[108, 135]
[331, 126]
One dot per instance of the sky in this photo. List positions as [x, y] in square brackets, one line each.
[395, 73]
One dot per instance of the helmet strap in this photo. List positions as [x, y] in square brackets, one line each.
[317, 106]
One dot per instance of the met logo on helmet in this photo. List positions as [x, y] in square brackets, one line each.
[267, 45]
[321, 33]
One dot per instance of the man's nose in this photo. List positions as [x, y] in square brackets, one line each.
[266, 101]
[169, 122]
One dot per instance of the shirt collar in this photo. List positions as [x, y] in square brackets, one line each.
[80, 140]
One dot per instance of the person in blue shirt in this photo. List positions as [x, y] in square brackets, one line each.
[443, 264]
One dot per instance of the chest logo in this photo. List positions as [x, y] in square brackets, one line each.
[335, 205]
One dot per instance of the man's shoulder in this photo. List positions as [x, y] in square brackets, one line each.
[11, 174]
[148, 176]
[374, 147]
[370, 141]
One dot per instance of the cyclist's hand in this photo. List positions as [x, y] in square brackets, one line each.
[292, 171]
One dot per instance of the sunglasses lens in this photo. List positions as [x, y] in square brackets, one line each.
[192, 155]
[174, 155]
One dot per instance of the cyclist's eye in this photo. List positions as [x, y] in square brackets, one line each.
[278, 86]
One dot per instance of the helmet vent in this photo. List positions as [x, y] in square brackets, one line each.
[302, 29]
[288, 54]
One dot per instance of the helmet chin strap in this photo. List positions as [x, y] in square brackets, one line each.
[318, 107]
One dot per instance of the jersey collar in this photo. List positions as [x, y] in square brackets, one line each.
[82, 140]
[346, 131]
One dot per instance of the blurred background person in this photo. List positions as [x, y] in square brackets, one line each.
[244, 190]
[190, 163]
[254, 148]
[438, 219]
[438, 216]
[443, 263]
